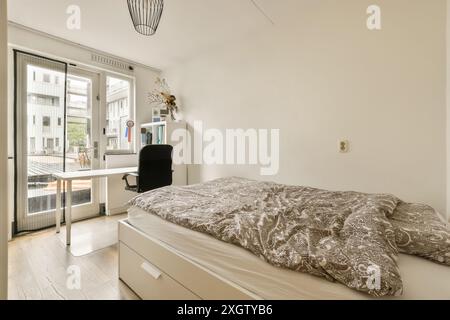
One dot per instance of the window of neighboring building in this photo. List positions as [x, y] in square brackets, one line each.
[56, 142]
[46, 77]
[119, 110]
[59, 122]
[44, 100]
[34, 120]
[32, 145]
[46, 121]
[50, 145]
[77, 101]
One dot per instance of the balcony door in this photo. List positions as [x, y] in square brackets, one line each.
[56, 121]
[82, 139]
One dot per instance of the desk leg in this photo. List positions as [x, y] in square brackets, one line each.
[69, 211]
[58, 206]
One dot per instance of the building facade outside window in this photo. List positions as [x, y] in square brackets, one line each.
[118, 112]
[45, 108]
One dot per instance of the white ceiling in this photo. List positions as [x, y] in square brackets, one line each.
[187, 28]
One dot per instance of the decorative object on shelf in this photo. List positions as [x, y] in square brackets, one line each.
[128, 130]
[146, 15]
[156, 114]
[163, 98]
[164, 114]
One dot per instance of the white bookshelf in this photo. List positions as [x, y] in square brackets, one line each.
[168, 127]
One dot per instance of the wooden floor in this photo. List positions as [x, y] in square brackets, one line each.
[39, 262]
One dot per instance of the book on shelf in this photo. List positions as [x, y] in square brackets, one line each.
[160, 135]
[149, 138]
[153, 134]
[146, 137]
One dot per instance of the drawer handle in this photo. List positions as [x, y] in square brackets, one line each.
[151, 270]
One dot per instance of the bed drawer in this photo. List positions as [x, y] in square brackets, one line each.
[147, 280]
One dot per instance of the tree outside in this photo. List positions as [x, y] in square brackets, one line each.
[76, 135]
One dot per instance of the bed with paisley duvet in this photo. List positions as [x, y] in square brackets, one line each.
[252, 239]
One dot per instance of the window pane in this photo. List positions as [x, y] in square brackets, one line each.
[79, 134]
[44, 150]
[44, 100]
[77, 101]
[117, 113]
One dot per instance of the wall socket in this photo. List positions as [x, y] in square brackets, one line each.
[344, 146]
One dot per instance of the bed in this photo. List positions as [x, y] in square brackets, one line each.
[162, 260]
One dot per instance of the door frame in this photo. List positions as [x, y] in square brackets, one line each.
[84, 211]
[20, 143]
[79, 212]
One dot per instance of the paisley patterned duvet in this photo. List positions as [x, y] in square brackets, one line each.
[349, 237]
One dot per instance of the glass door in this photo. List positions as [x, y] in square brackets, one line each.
[82, 138]
[56, 131]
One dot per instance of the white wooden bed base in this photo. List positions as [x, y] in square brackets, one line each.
[154, 271]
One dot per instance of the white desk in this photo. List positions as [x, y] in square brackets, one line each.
[79, 175]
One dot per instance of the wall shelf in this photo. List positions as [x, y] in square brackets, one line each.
[152, 124]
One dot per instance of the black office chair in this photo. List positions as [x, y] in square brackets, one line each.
[155, 169]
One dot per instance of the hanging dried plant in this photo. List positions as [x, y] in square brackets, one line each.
[163, 97]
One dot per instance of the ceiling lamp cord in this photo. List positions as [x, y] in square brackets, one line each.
[262, 11]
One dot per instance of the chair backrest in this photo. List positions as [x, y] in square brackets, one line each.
[155, 167]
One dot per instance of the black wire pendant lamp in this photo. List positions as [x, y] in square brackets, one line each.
[146, 15]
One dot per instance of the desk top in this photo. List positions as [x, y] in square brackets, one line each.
[88, 174]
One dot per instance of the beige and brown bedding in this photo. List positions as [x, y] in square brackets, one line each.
[349, 237]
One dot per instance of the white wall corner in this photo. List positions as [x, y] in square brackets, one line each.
[3, 153]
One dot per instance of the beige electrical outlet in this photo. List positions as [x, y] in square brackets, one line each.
[343, 146]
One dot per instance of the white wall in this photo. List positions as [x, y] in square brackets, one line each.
[3, 154]
[319, 75]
